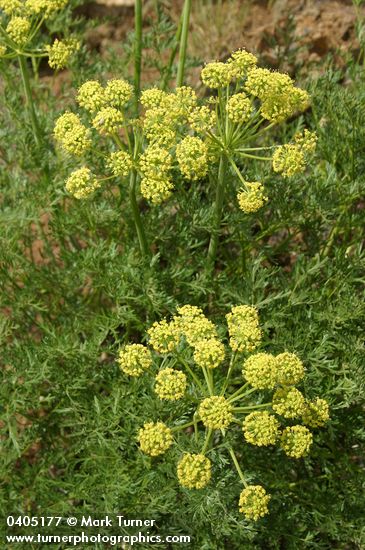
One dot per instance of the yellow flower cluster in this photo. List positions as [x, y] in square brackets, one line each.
[120, 163]
[192, 157]
[217, 74]
[280, 99]
[201, 119]
[254, 502]
[18, 29]
[44, 7]
[11, 7]
[260, 371]
[91, 96]
[164, 337]
[296, 441]
[261, 428]
[288, 402]
[2, 50]
[243, 327]
[82, 183]
[290, 369]
[152, 98]
[60, 51]
[306, 140]
[316, 413]
[117, 93]
[252, 198]
[155, 164]
[72, 135]
[108, 121]
[215, 412]
[241, 61]
[239, 108]
[170, 384]
[194, 471]
[134, 359]
[192, 323]
[165, 112]
[288, 160]
[209, 353]
[155, 438]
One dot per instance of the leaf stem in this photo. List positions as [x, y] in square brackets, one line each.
[238, 468]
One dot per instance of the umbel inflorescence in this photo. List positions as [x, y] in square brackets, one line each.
[20, 24]
[178, 133]
[189, 362]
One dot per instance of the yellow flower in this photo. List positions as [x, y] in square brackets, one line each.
[186, 98]
[253, 502]
[208, 353]
[288, 160]
[290, 369]
[239, 108]
[134, 359]
[91, 96]
[288, 402]
[60, 52]
[260, 371]
[306, 140]
[164, 337]
[11, 7]
[192, 323]
[152, 98]
[215, 412]
[155, 162]
[82, 183]
[192, 157]
[261, 428]
[118, 92]
[194, 471]
[156, 190]
[296, 441]
[170, 384]
[217, 74]
[316, 413]
[108, 121]
[155, 438]
[18, 29]
[45, 7]
[252, 198]
[243, 327]
[72, 135]
[241, 61]
[120, 163]
[201, 119]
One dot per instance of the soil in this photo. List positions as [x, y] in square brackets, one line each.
[287, 33]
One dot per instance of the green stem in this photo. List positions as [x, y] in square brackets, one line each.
[207, 440]
[183, 43]
[168, 70]
[208, 381]
[239, 391]
[219, 198]
[251, 407]
[137, 52]
[238, 468]
[182, 426]
[29, 99]
[231, 365]
[136, 215]
[241, 395]
[192, 374]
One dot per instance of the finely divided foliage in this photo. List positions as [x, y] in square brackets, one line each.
[126, 214]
